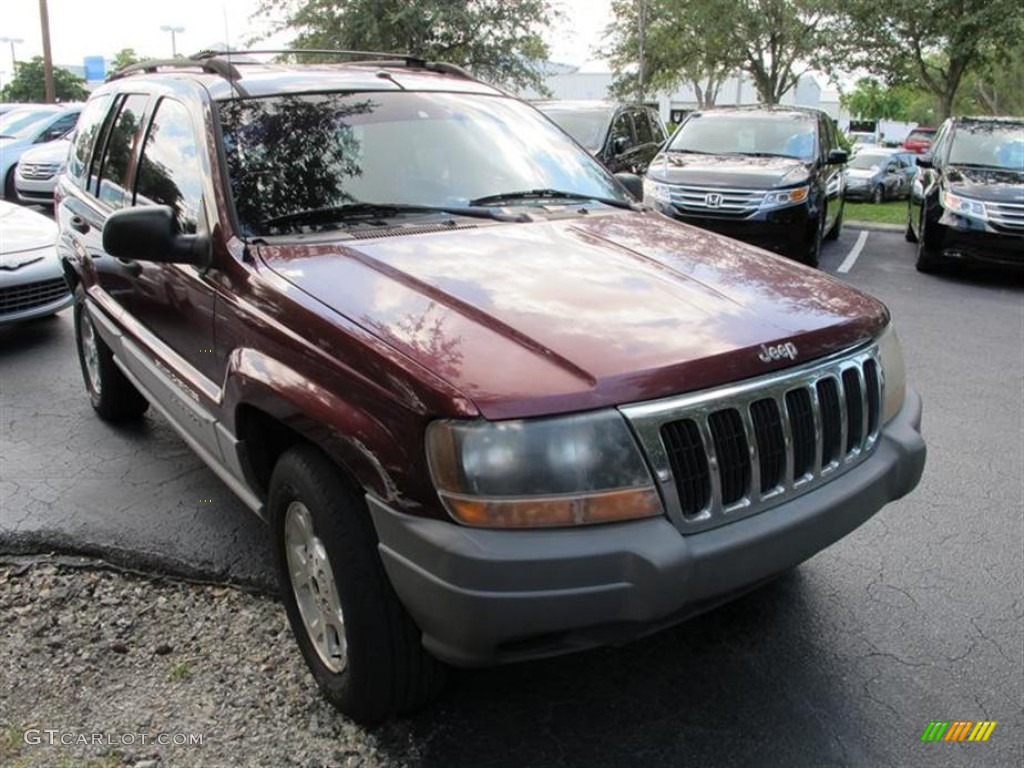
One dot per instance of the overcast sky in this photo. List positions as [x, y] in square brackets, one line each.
[80, 28]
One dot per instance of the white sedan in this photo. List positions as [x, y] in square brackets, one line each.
[32, 282]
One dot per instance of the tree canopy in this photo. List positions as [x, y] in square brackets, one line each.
[933, 43]
[498, 40]
[28, 83]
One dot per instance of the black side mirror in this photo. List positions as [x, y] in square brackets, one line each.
[633, 184]
[150, 233]
[837, 156]
[924, 161]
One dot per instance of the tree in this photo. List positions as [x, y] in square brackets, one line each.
[124, 58]
[933, 42]
[495, 39]
[870, 100]
[28, 84]
[702, 42]
[684, 41]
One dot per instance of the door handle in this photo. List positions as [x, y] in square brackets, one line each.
[79, 224]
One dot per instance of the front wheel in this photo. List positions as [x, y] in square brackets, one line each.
[908, 233]
[878, 196]
[812, 256]
[113, 396]
[928, 261]
[837, 227]
[357, 639]
[10, 193]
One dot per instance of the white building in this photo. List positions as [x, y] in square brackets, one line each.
[591, 81]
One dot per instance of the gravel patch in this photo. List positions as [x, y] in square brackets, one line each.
[105, 658]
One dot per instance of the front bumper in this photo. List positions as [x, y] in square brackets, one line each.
[963, 239]
[34, 290]
[486, 596]
[789, 231]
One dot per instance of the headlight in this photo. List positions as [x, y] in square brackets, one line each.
[963, 205]
[894, 373]
[570, 470]
[785, 197]
[661, 193]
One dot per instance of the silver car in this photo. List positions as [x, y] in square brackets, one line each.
[32, 282]
[35, 175]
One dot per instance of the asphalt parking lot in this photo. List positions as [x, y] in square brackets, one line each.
[917, 616]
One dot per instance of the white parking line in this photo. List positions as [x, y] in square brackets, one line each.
[851, 258]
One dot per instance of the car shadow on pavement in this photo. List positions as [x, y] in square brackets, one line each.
[19, 338]
[705, 692]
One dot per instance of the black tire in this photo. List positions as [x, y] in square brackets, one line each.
[387, 671]
[10, 193]
[878, 195]
[113, 397]
[908, 233]
[928, 261]
[812, 256]
[837, 227]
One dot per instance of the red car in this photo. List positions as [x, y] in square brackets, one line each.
[920, 140]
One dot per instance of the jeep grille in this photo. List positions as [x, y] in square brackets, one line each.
[726, 453]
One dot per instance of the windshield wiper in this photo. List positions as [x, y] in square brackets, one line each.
[551, 194]
[766, 154]
[353, 212]
[690, 151]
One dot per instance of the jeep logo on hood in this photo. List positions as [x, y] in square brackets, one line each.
[777, 352]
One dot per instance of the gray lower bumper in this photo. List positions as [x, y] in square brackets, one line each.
[485, 596]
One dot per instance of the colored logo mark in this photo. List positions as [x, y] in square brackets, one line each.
[958, 730]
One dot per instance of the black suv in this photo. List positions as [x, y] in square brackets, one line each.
[967, 201]
[771, 176]
[625, 138]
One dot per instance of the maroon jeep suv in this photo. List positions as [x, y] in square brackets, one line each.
[491, 407]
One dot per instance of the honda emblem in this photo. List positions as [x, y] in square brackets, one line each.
[712, 200]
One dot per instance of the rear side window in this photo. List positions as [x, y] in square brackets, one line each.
[89, 128]
[169, 172]
[117, 156]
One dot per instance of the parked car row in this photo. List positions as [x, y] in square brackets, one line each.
[26, 127]
[878, 174]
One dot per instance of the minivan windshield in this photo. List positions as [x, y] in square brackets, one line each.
[992, 145]
[784, 135]
[290, 157]
[866, 161]
[18, 125]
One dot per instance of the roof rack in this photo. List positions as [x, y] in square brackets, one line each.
[407, 58]
[212, 66]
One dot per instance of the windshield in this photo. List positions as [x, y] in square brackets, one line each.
[754, 134]
[866, 162]
[292, 154]
[588, 128]
[20, 124]
[995, 145]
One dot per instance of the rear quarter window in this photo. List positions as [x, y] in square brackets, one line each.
[90, 126]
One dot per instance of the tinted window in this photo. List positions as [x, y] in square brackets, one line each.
[644, 134]
[588, 127]
[21, 123]
[65, 124]
[622, 128]
[88, 131]
[786, 135]
[291, 154]
[169, 172]
[119, 145]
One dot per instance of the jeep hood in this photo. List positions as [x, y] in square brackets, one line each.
[582, 312]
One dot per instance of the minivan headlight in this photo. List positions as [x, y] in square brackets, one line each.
[964, 206]
[782, 197]
[560, 471]
[894, 373]
[656, 192]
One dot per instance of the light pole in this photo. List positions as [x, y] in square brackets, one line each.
[174, 32]
[12, 41]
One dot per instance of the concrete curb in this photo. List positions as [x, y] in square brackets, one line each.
[874, 225]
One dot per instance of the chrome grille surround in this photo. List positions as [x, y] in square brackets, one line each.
[38, 171]
[731, 202]
[647, 420]
[1009, 215]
